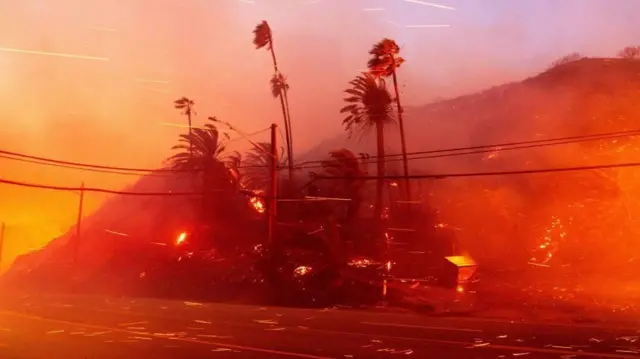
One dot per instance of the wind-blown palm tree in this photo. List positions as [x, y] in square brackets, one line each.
[256, 174]
[186, 106]
[203, 150]
[370, 106]
[233, 162]
[279, 87]
[344, 164]
[385, 60]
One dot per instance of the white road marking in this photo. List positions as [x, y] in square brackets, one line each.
[422, 327]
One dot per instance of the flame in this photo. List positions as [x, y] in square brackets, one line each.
[301, 271]
[550, 240]
[181, 238]
[258, 204]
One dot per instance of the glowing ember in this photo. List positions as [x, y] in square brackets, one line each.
[258, 204]
[554, 232]
[493, 154]
[301, 271]
[181, 238]
[362, 263]
[388, 266]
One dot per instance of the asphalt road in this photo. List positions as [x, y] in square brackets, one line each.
[70, 327]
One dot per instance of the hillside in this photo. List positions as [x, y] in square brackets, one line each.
[578, 217]
[577, 220]
[128, 233]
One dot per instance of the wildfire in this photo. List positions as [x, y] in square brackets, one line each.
[554, 232]
[258, 204]
[301, 271]
[181, 238]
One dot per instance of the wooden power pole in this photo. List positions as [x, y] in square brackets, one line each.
[273, 193]
[78, 223]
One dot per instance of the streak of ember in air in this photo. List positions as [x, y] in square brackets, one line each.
[425, 26]
[55, 54]
[430, 4]
[181, 238]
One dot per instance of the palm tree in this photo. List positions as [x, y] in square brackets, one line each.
[370, 106]
[203, 150]
[344, 164]
[233, 163]
[279, 88]
[256, 174]
[186, 106]
[385, 59]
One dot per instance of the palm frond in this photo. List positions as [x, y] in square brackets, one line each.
[262, 36]
[370, 103]
[385, 58]
[278, 85]
[207, 146]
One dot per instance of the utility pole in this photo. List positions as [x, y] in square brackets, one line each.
[2, 227]
[273, 193]
[78, 223]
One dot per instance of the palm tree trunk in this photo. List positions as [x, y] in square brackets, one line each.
[205, 194]
[286, 130]
[381, 171]
[273, 55]
[190, 136]
[285, 111]
[290, 133]
[403, 143]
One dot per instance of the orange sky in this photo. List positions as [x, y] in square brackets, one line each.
[107, 111]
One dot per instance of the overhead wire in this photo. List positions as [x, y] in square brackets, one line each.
[495, 173]
[108, 191]
[438, 153]
[21, 157]
[18, 159]
[92, 189]
[88, 165]
[503, 146]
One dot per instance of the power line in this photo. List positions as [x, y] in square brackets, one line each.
[250, 134]
[436, 154]
[99, 190]
[88, 165]
[126, 193]
[80, 168]
[497, 147]
[484, 174]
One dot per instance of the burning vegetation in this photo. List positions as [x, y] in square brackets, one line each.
[576, 230]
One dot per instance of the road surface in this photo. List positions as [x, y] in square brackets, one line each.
[85, 327]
